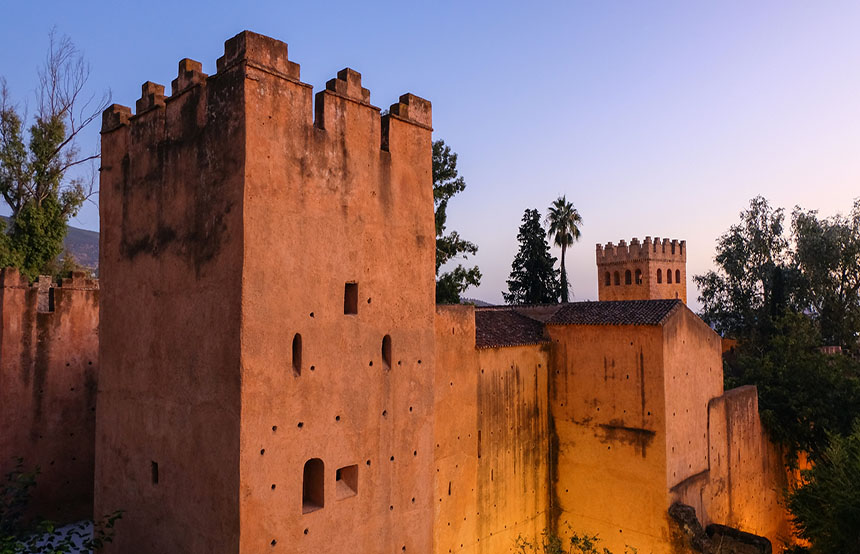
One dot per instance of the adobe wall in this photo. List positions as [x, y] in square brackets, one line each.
[693, 375]
[654, 260]
[48, 377]
[167, 422]
[344, 197]
[608, 409]
[491, 434]
[744, 486]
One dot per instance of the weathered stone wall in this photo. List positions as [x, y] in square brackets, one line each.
[608, 410]
[49, 337]
[491, 434]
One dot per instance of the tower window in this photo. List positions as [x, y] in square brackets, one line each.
[608, 279]
[617, 279]
[346, 481]
[669, 276]
[386, 351]
[638, 276]
[154, 468]
[659, 276]
[297, 354]
[628, 277]
[313, 486]
[678, 276]
[350, 298]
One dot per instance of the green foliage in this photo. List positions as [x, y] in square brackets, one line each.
[550, 543]
[804, 395]
[446, 183]
[20, 534]
[827, 254]
[826, 508]
[533, 279]
[34, 180]
[752, 279]
[564, 222]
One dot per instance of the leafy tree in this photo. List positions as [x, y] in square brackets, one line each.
[828, 256]
[446, 183]
[826, 507]
[564, 222]
[753, 281]
[534, 279]
[34, 175]
[804, 395]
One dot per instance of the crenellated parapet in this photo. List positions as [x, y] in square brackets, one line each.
[656, 249]
[245, 54]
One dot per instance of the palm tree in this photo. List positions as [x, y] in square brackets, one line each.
[564, 222]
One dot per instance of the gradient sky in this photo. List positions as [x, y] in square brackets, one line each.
[654, 118]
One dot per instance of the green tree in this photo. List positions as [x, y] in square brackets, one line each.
[564, 222]
[446, 183]
[827, 253]
[826, 507]
[533, 279]
[804, 395]
[753, 282]
[35, 180]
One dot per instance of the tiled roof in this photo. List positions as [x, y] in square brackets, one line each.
[618, 312]
[505, 327]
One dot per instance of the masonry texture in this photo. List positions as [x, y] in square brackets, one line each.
[48, 371]
[275, 376]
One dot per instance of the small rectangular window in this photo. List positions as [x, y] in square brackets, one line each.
[346, 481]
[154, 473]
[350, 298]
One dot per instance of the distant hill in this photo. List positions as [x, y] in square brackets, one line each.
[476, 302]
[83, 245]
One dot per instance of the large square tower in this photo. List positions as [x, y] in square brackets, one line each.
[267, 384]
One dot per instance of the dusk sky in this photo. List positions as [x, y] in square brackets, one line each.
[654, 118]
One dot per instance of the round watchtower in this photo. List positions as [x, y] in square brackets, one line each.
[648, 270]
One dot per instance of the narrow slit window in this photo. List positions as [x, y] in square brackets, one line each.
[479, 444]
[607, 280]
[628, 277]
[297, 354]
[350, 299]
[617, 279]
[154, 469]
[659, 276]
[677, 276]
[669, 276]
[313, 486]
[638, 276]
[346, 481]
[386, 351]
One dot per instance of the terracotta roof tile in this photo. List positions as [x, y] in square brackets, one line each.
[618, 312]
[505, 327]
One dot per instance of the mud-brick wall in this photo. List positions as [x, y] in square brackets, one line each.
[48, 371]
[491, 439]
[747, 474]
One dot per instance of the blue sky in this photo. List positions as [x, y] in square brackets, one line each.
[654, 118]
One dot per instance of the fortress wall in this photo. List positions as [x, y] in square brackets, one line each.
[693, 375]
[607, 402]
[167, 426]
[491, 439]
[335, 197]
[747, 473]
[48, 374]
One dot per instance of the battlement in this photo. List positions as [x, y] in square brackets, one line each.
[657, 249]
[247, 57]
[11, 278]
